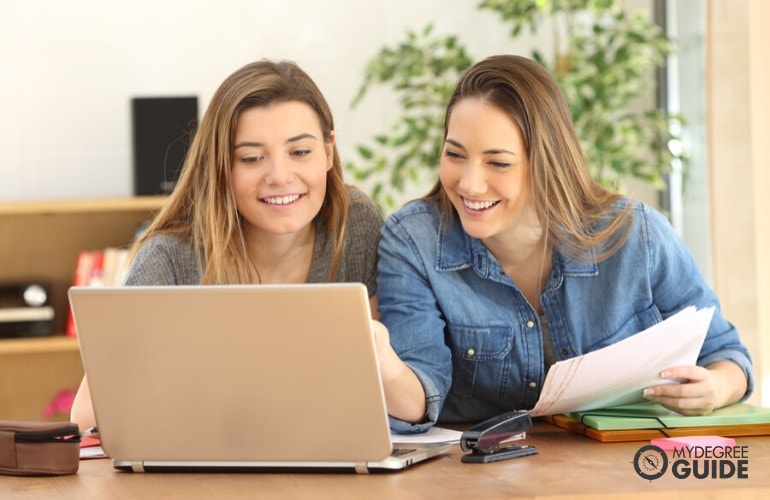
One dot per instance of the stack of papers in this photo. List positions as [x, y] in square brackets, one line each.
[435, 434]
[617, 374]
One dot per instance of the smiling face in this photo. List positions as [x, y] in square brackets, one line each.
[280, 162]
[485, 171]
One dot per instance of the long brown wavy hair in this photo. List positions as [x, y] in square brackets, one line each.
[202, 208]
[566, 199]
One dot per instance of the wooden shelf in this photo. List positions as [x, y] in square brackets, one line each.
[54, 343]
[39, 242]
[138, 203]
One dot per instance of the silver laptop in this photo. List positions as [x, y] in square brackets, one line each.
[249, 378]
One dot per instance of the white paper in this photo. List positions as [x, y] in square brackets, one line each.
[433, 435]
[618, 373]
[92, 452]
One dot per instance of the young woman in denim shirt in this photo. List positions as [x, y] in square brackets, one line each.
[517, 259]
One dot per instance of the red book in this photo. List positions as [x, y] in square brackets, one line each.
[88, 272]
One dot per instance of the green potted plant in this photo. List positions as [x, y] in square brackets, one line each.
[604, 60]
[422, 70]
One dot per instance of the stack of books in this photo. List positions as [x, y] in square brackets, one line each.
[104, 267]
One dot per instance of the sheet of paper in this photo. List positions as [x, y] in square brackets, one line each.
[618, 373]
[433, 435]
[89, 452]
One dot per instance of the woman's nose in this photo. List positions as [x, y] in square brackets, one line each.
[278, 171]
[473, 181]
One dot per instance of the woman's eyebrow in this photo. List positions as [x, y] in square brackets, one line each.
[300, 137]
[494, 151]
[248, 144]
[255, 144]
[454, 143]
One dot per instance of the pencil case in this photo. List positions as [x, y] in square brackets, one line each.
[39, 448]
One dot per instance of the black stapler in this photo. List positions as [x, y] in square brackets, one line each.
[485, 438]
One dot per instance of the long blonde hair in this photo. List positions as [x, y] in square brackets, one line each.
[202, 209]
[566, 200]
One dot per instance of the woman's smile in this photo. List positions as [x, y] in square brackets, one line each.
[478, 205]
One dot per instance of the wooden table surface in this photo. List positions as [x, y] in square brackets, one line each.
[567, 466]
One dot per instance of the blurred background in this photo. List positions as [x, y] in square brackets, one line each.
[69, 72]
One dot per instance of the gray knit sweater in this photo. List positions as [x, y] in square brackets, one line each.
[168, 260]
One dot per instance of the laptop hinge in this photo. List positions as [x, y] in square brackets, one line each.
[137, 466]
[361, 468]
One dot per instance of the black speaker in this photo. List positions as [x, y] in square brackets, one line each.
[162, 130]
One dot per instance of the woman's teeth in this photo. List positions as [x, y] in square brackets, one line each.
[281, 200]
[478, 205]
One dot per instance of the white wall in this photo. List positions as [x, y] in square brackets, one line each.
[69, 69]
[687, 94]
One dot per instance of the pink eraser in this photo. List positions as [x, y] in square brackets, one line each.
[688, 442]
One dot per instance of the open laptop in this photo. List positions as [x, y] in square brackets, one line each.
[237, 378]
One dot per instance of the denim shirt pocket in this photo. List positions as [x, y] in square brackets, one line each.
[480, 359]
[632, 325]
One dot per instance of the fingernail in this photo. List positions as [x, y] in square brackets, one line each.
[648, 392]
[665, 374]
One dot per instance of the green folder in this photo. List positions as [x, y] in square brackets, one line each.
[653, 416]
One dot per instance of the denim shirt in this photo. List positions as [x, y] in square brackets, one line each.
[475, 343]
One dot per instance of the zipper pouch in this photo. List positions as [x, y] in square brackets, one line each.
[39, 448]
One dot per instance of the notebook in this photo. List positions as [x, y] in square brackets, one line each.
[647, 421]
[237, 378]
[654, 416]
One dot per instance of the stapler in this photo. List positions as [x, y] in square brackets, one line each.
[485, 439]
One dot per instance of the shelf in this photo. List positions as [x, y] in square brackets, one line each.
[54, 343]
[40, 242]
[147, 203]
[33, 372]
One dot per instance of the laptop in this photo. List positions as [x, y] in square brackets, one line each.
[237, 378]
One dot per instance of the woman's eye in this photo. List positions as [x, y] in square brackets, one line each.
[301, 152]
[500, 164]
[451, 154]
[250, 159]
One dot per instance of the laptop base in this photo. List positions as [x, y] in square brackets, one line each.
[395, 462]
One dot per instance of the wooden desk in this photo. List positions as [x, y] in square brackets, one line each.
[568, 466]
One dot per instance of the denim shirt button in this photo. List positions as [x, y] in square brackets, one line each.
[533, 384]
[530, 324]
[471, 351]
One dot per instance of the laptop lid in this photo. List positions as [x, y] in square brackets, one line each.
[234, 376]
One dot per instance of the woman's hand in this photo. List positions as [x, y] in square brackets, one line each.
[701, 390]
